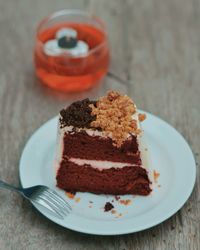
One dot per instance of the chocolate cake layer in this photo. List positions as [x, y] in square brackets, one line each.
[119, 181]
[81, 145]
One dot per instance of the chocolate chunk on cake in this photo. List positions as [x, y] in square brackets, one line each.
[100, 147]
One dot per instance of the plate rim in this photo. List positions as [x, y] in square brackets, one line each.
[163, 218]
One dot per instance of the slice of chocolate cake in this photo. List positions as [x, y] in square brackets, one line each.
[100, 147]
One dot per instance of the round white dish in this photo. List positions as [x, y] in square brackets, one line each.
[170, 155]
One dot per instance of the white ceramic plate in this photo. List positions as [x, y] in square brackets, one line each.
[171, 157]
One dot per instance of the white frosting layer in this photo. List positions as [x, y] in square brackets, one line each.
[99, 164]
[90, 132]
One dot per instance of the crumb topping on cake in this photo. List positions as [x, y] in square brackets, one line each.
[111, 114]
[78, 114]
[114, 115]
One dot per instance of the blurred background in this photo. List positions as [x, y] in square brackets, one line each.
[155, 50]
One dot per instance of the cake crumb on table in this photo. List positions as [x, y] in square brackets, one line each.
[77, 199]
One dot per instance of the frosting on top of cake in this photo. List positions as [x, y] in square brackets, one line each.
[114, 114]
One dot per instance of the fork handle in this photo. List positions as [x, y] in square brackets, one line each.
[8, 186]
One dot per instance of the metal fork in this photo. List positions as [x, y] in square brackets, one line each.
[44, 196]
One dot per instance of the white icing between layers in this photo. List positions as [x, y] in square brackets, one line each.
[90, 132]
[100, 164]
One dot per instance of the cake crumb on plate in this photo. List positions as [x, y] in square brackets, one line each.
[113, 211]
[155, 176]
[125, 202]
[119, 215]
[117, 197]
[77, 199]
[108, 206]
[70, 195]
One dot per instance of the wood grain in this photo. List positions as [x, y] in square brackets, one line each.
[156, 49]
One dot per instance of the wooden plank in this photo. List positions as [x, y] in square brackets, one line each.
[163, 70]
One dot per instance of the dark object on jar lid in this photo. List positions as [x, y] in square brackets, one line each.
[67, 42]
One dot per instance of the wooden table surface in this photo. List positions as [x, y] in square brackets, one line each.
[156, 50]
